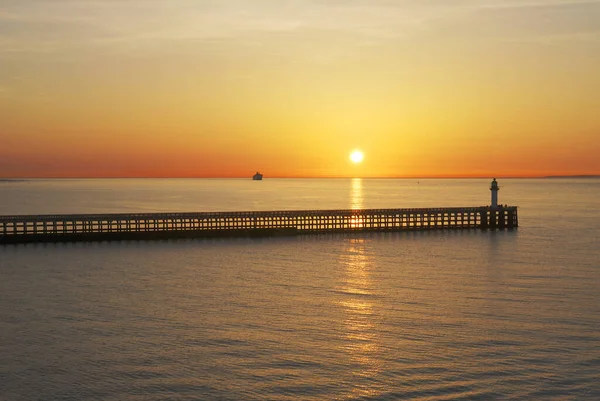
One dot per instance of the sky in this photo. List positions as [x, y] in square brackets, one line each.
[223, 88]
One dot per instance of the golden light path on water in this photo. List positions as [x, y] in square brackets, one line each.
[362, 345]
[356, 200]
[356, 194]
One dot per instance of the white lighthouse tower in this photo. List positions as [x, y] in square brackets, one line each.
[494, 188]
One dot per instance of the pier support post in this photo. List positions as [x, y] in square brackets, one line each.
[483, 218]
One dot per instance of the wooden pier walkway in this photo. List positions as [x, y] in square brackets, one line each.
[148, 226]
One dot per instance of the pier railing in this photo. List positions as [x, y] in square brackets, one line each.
[90, 227]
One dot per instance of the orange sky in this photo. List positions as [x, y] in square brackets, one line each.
[224, 88]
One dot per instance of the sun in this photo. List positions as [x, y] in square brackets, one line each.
[357, 156]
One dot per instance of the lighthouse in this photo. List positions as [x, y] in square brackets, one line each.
[494, 188]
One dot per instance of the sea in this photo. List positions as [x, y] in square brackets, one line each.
[414, 315]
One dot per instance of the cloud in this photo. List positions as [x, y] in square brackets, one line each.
[37, 25]
[518, 21]
[30, 27]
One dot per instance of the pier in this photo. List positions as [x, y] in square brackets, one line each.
[150, 226]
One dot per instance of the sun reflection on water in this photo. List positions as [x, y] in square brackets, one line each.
[360, 317]
[356, 194]
[356, 201]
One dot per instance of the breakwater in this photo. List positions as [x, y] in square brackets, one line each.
[150, 226]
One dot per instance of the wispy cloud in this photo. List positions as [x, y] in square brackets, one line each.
[41, 26]
[35, 24]
[518, 20]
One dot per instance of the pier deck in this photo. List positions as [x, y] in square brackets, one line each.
[147, 226]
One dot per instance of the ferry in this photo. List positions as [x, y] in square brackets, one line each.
[257, 177]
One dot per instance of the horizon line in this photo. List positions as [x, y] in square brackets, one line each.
[305, 177]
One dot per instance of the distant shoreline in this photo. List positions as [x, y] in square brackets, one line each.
[572, 176]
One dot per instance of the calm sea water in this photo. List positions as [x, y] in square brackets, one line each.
[440, 315]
